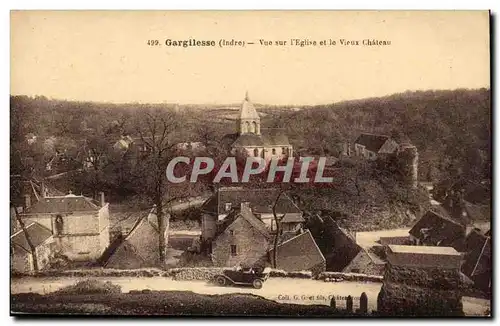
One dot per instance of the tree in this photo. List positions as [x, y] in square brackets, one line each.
[277, 221]
[157, 130]
[28, 238]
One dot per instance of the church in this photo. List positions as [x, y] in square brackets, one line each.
[252, 140]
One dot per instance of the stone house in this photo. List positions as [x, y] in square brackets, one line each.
[41, 238]
[139, 248]
[80, 225]
[371, 146]
[241, 239]
[260, 201]
[252, 140]
[437, 228]
[477, 260]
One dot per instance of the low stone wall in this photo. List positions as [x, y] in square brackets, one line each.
[332, 276]
[281, 273]
[207, 273]
[192, 273]
[195, 274]
[96, 272]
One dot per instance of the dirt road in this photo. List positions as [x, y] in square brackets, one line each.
[284, 290]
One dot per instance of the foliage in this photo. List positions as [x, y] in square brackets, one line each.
[91, 286]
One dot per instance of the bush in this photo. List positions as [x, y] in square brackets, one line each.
[91, 287]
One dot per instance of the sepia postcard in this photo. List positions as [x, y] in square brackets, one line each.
[250, 163]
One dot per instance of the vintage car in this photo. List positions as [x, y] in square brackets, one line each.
[242, 276]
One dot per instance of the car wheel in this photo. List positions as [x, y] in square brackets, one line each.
[257, 283]
[220, 280]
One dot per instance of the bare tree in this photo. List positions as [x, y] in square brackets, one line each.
[28, 238]
[277, 221]
[157, 130]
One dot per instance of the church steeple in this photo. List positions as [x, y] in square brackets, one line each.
[249, 120]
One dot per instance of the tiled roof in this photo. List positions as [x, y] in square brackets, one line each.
[249, 217]
[249, 140]
[38, 234]
[255, 222]
[478, 212]
[437, 228]
[261, 201]
[65, 204]
[372, 142]
[474, 240]
[268, 138]
[293, 218]
[478, 259]
[345, 249]
[299, 253]
[274, 137]
[140, 245]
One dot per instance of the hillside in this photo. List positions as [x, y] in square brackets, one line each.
[451, 129]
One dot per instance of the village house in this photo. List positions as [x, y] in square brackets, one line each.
[477, 260]
[299, 253]
[80, 225]
[139, 248]
[341, 251]
[252, 140]
[469, 203]
[437, 228]
[243, 239]
[22, 258]
[371, 146]
[261, 202]
[25, 191]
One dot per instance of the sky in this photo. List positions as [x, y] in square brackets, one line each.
[104, 56]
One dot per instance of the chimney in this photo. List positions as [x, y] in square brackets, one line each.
[27, 201]
[103, 201]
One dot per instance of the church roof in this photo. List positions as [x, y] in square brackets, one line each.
[248, 110]
[275, 136]
[249, 140]
[269, 138]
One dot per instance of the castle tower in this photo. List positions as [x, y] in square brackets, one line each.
[249, 121]
[408, 154]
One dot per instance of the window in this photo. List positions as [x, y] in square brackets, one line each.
[231, 232]
[256, 152]
[274, 151]
[228, 206]
[59, 224]
[233, 250]
[254, 127]
[283, 150]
